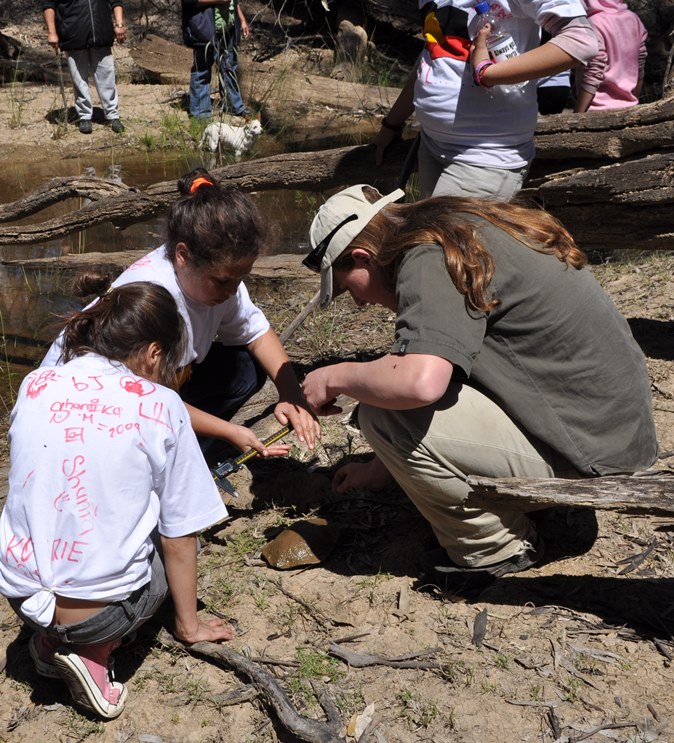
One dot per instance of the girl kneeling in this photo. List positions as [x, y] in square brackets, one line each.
[107, 488]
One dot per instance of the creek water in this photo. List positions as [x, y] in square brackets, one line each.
[31, 300]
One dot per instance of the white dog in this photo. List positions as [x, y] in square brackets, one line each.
[227, 136]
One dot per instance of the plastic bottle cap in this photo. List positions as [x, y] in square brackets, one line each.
[482, 7]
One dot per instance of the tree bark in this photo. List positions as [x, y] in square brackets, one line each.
[648, 492]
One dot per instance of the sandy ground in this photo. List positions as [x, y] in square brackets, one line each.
[579, 648]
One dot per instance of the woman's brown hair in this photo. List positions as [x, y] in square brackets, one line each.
[441, 220]
[122, 324]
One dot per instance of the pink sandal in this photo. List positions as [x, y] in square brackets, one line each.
[85, 669]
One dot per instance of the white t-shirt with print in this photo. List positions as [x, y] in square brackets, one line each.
[460, 120]
[236, 322]
[99, 459]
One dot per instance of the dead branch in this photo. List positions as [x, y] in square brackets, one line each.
[302, 727]
[59, 189]
[647, 492]
[607, 726]
[362, 660]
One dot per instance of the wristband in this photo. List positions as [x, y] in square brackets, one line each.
[478, 73]
[392, 127]
[119, 25]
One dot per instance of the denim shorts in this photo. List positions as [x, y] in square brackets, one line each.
[116, 619]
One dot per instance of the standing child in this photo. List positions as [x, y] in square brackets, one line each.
[107, 488]
[212, 30]
[477, 136]
[214, 236]
[613, 79]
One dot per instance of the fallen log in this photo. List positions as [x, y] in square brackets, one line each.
[617, 164]
[299, 170]
[603, 135]
[647, 492]
[267, 268]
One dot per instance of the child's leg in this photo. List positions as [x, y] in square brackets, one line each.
[86, 670]
[42, 648]
[223, 381]
[83, 649]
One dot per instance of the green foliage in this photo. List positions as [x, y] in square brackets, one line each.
[420, 713]
[17, 100]
[371, 585]
[244, 543]
[312, 665]
[175, 133]
[219, 595]
[318, 664]
[79, 727]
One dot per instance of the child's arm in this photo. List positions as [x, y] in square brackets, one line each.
[180, 562]
[572, 41]
[268, 351]
[206, 424]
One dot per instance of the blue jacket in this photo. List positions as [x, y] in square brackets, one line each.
[198, 23]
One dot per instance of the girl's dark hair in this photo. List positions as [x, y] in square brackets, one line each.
[121, 325]
[218, 224]
[441, 220]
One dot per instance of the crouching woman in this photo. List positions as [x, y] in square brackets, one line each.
[509, 360]
[107, 488]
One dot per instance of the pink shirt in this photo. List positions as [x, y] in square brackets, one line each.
[615, 73]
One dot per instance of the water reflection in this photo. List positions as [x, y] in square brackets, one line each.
[31, 300]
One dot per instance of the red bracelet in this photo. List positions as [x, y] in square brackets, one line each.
[478, 73]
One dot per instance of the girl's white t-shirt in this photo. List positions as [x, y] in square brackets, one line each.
[235, 322]
[99, 459]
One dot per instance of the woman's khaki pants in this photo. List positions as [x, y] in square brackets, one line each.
[431, 450]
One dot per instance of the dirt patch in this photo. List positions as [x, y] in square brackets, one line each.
[577, 649]
[582, 643]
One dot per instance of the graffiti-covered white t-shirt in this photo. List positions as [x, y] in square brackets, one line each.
[99, 459]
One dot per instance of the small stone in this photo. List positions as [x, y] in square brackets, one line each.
[307, 542]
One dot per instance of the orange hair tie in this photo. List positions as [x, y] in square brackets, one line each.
[198, 182]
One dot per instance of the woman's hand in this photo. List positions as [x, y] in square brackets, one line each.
[304, 423]
[53, 41]
[371, 475]
[382, 141]
[120, 34]
[205, 630]
[315, 389]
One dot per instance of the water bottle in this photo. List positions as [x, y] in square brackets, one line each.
[500, 44]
